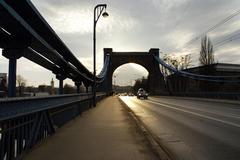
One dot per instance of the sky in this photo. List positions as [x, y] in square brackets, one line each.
[136, 25]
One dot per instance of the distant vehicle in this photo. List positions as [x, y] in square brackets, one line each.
[124, 94]
[142, 93]
[130, 94]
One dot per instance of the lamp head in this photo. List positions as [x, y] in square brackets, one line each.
[105, 14]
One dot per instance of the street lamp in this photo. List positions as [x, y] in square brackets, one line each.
[98, 11]
[114, 83]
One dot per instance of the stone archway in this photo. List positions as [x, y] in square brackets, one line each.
[144, 59]
[127, 74]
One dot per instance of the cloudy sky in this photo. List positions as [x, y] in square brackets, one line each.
[138, 25]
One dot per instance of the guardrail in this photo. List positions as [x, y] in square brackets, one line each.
[27, 121]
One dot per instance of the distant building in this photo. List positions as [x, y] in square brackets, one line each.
[52, 87]
[179, 85]
[122, 89]
[43, 90]
[3, 76]
[3, 84]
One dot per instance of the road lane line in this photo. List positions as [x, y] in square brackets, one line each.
[202, 110]
[196, 114]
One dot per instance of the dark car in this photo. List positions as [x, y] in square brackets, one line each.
[142, 93]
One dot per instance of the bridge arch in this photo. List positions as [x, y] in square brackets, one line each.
[121, 76]
[145, 59]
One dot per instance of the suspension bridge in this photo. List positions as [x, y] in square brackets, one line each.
[24, 122]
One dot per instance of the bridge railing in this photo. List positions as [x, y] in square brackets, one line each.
[27, 121]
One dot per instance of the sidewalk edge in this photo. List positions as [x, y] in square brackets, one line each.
[157, 148]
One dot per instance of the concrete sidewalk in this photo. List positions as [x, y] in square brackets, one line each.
[106, 132]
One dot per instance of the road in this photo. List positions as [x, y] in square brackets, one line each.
[191, 129]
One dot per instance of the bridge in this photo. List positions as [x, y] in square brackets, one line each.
[145, 59]
[163, 120]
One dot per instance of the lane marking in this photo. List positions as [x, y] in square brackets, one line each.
[202, 110]
[196, 114]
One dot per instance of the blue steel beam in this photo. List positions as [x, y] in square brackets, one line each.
[37, 22]
[11, 21]
[40, 45]
[4, 38]
[29, 53]
[6, 41]
[33, 56]
[225, 79]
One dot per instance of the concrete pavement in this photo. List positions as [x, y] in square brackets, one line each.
[106, 132]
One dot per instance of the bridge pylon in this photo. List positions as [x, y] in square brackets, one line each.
[145, 59]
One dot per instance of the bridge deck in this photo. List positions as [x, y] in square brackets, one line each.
[105, 132]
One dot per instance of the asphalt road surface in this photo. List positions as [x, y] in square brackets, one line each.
[191, 129]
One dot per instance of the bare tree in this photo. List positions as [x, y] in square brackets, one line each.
[181, 62]
[21, 84]
[185, 61]
[206, 53]
[167, 59]
[171, 60]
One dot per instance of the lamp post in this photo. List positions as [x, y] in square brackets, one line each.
[114, 84]
[98, 11]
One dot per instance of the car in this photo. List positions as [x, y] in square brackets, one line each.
[142, 93]
[124, 94]
[130, 94]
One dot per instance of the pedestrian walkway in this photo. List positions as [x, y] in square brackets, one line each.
[106, 132]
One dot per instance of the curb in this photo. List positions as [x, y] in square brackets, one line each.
[157, 148]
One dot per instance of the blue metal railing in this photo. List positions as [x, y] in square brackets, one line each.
[27, 121]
